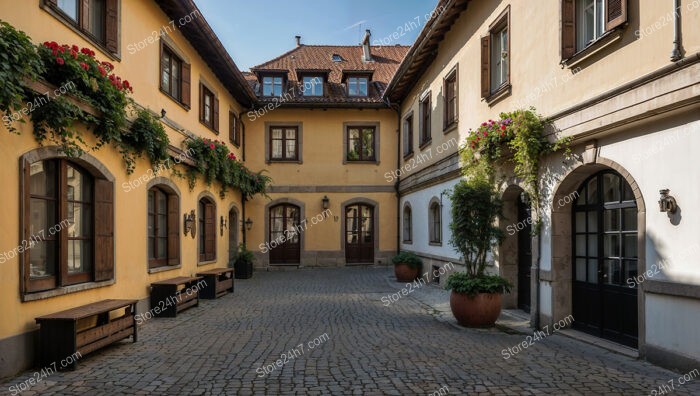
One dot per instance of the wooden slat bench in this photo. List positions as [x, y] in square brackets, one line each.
[219, 282]
[171, 296]
[84, 329]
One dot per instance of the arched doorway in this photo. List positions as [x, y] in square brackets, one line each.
[524, 251]
[604, 255]
[359, 234]
[285, 238]
[514, 255]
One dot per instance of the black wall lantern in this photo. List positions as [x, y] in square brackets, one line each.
[222, 225]
[248, 224]
[190, 223]
[667, 203]
[325, 202]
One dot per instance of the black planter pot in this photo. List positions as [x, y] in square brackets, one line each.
[243, 270]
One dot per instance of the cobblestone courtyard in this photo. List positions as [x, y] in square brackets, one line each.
[370, 349]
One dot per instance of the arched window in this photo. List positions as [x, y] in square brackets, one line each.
[407, 225]
[68, 212]
[163, 227]
[206, 215]
[435, 222]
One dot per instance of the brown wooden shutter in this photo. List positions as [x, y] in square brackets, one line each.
[112, 26]
[201, 102]
[485, 66]
[173, 229]
[215, 121]
[210, 232]
[84, 16]
[104, 230]
[616, 14]
[53, 2]
[186, 84]
[568, 28]
[231, 127]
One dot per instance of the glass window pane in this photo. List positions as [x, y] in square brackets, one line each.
[581, 270]
[151, 225]
[162, 226]
[628, 195]
[580, 221]
[611, 220]
[276, 149]
[291, 133]
[592, 221]
[593, 271]
[611, 245]
[630, 271]
[175, 89]
[581, 245]
[162, 248]
[630, 245]
[42, 217]
[98, 14]
[42, 259]
[363, 86]
[612, 272]
[592, 245]
[79, 256]
[629, 219]
[592, 191]
[151, 253]
[277, 134]
[151, 201]
[42, 178]
[581, 200]
[80, 220]
[69, 7]
[162, 203]
[611, 187]
[165, 73]
[291, 149]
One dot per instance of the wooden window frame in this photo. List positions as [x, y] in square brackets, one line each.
[284, 139]
[283, 81]
[407, 135]
[501, 23]
[205, 91]
[425, 120]
[407, 237]
[616, 17]
[111, 45]
[321, 77]
[170, 201]
[164, 49]
[356, 77]
[234, 129]
[435, 238]
[360, 158]
[61, 278]
[206, 225]
[451, 78]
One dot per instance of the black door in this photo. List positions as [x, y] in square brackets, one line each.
[605, 256]
[524, 253]
[285, 246]
[359, 234]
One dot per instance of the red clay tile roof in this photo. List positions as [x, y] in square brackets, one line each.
[385, 61]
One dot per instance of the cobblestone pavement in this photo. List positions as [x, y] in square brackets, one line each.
[370, 349]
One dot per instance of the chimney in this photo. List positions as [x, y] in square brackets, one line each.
[367, 52]
[298, 40]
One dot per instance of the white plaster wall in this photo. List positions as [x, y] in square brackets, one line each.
[672, 324]
[419, 201]
[545, 299]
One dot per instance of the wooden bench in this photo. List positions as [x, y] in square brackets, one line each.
[78, 331]
[171, 296]
[219, 282]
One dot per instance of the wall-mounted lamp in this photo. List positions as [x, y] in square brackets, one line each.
[163, 113]
[190, 223]
[248, 224]
[326, 202]
[222, 225]
[667, 203]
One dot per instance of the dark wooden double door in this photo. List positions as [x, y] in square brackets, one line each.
[285, 235]
[359, 234]
[605, 256]
[524, 253]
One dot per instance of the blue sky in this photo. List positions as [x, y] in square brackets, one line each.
[254, 32]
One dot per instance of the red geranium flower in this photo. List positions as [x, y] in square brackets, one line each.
[60, 61]
[211, 146]
[102, 71]
[84, 66]
[75, 48]
[503, 127]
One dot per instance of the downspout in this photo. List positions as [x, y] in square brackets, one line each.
[677, 53]
[537, 276]
[397, 108]
[244, 231]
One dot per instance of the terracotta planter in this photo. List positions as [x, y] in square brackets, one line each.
[480, 310]
[404, 273]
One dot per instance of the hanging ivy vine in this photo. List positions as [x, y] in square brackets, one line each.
[516, 138]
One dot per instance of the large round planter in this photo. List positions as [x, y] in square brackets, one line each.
[404, 273]
[480, 310]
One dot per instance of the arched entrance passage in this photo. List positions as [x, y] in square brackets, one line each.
[515, 253]
[571, 209]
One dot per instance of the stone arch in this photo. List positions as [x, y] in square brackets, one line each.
[560, 276]
[87, 161]
[302, 215]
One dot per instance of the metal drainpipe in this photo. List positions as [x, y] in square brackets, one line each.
[244, 231]
[397, 108]
[537, 278]
[677, 53]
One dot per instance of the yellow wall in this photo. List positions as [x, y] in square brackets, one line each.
[139, 19]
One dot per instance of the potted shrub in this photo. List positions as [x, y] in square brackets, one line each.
[407, 266]
[243, 267]
[476, 296]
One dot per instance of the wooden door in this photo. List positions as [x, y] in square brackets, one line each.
[285, 238]
[359, 234]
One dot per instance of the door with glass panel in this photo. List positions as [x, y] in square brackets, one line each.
[359, 234]
[285, 246]
[605, 256]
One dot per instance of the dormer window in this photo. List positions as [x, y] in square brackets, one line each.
[337, 58]
[313, 86]
[272, 85]
[358, 86]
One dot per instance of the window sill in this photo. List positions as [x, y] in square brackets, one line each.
[425, 144]
[407, 242]
[211, 128]
[502, 92]
[202, 263]
[174, 99]
[435, 243]
[87, 37]
[593, 48]
[61, 291]
[277, 161]
[362, 162]
[449, 128]
[163, 268]
[408, 156]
